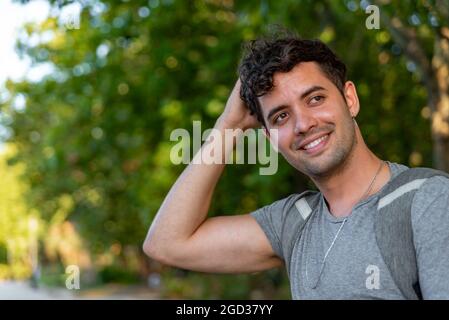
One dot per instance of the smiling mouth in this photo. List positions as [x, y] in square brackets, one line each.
[316, 142]
[316, 145]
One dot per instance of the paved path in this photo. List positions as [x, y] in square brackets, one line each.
[22, 290]
[12, 290]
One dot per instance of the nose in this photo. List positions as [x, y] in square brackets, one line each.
[304, 121]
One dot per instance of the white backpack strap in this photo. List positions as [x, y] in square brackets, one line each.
[303, 207]
[294, 222]
[409, 186]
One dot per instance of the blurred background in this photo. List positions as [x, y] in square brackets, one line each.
[90, 91]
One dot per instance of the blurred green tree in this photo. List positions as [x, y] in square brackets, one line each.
[421, 30]
[19, 226]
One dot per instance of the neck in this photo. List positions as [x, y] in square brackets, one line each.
[345, 188]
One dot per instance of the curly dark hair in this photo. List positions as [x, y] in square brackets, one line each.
[266, 56]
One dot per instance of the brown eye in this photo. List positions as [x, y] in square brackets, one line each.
[280, 117]
[316, 99]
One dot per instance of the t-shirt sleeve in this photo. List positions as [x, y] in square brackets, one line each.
[430, 221]
[271, 219]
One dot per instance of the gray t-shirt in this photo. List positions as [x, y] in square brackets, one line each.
[354, 268]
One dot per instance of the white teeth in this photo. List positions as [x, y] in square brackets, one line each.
[314, 143]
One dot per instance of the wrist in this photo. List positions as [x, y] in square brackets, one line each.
[223, 123]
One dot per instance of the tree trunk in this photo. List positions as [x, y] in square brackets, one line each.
[439, 102]
[434, 73]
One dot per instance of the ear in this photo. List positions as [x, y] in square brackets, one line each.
[352, 100]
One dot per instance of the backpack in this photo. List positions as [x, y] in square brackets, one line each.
[393, 217]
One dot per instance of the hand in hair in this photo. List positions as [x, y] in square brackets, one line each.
[236, 115]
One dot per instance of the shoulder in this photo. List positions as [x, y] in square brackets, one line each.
[279, 209]
[433, 188]
[290, 200]
[435, 185]
[396, 168]
[431, 200]
[436, 182]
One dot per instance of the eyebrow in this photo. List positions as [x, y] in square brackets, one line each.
[303, 95]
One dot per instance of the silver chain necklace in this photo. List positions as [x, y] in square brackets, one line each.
[342, 225]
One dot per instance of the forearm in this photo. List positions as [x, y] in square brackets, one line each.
[186, 206]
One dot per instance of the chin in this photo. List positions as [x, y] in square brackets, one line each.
[323, 166]
[319, 171]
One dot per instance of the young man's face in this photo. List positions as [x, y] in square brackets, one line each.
[316, 133]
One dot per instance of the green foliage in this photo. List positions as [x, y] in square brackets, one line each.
[117, 275]
[18, 224]
[269, 285]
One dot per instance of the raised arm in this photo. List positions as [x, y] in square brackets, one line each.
[181, 234]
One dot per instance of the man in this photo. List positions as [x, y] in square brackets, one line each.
[299, 87]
